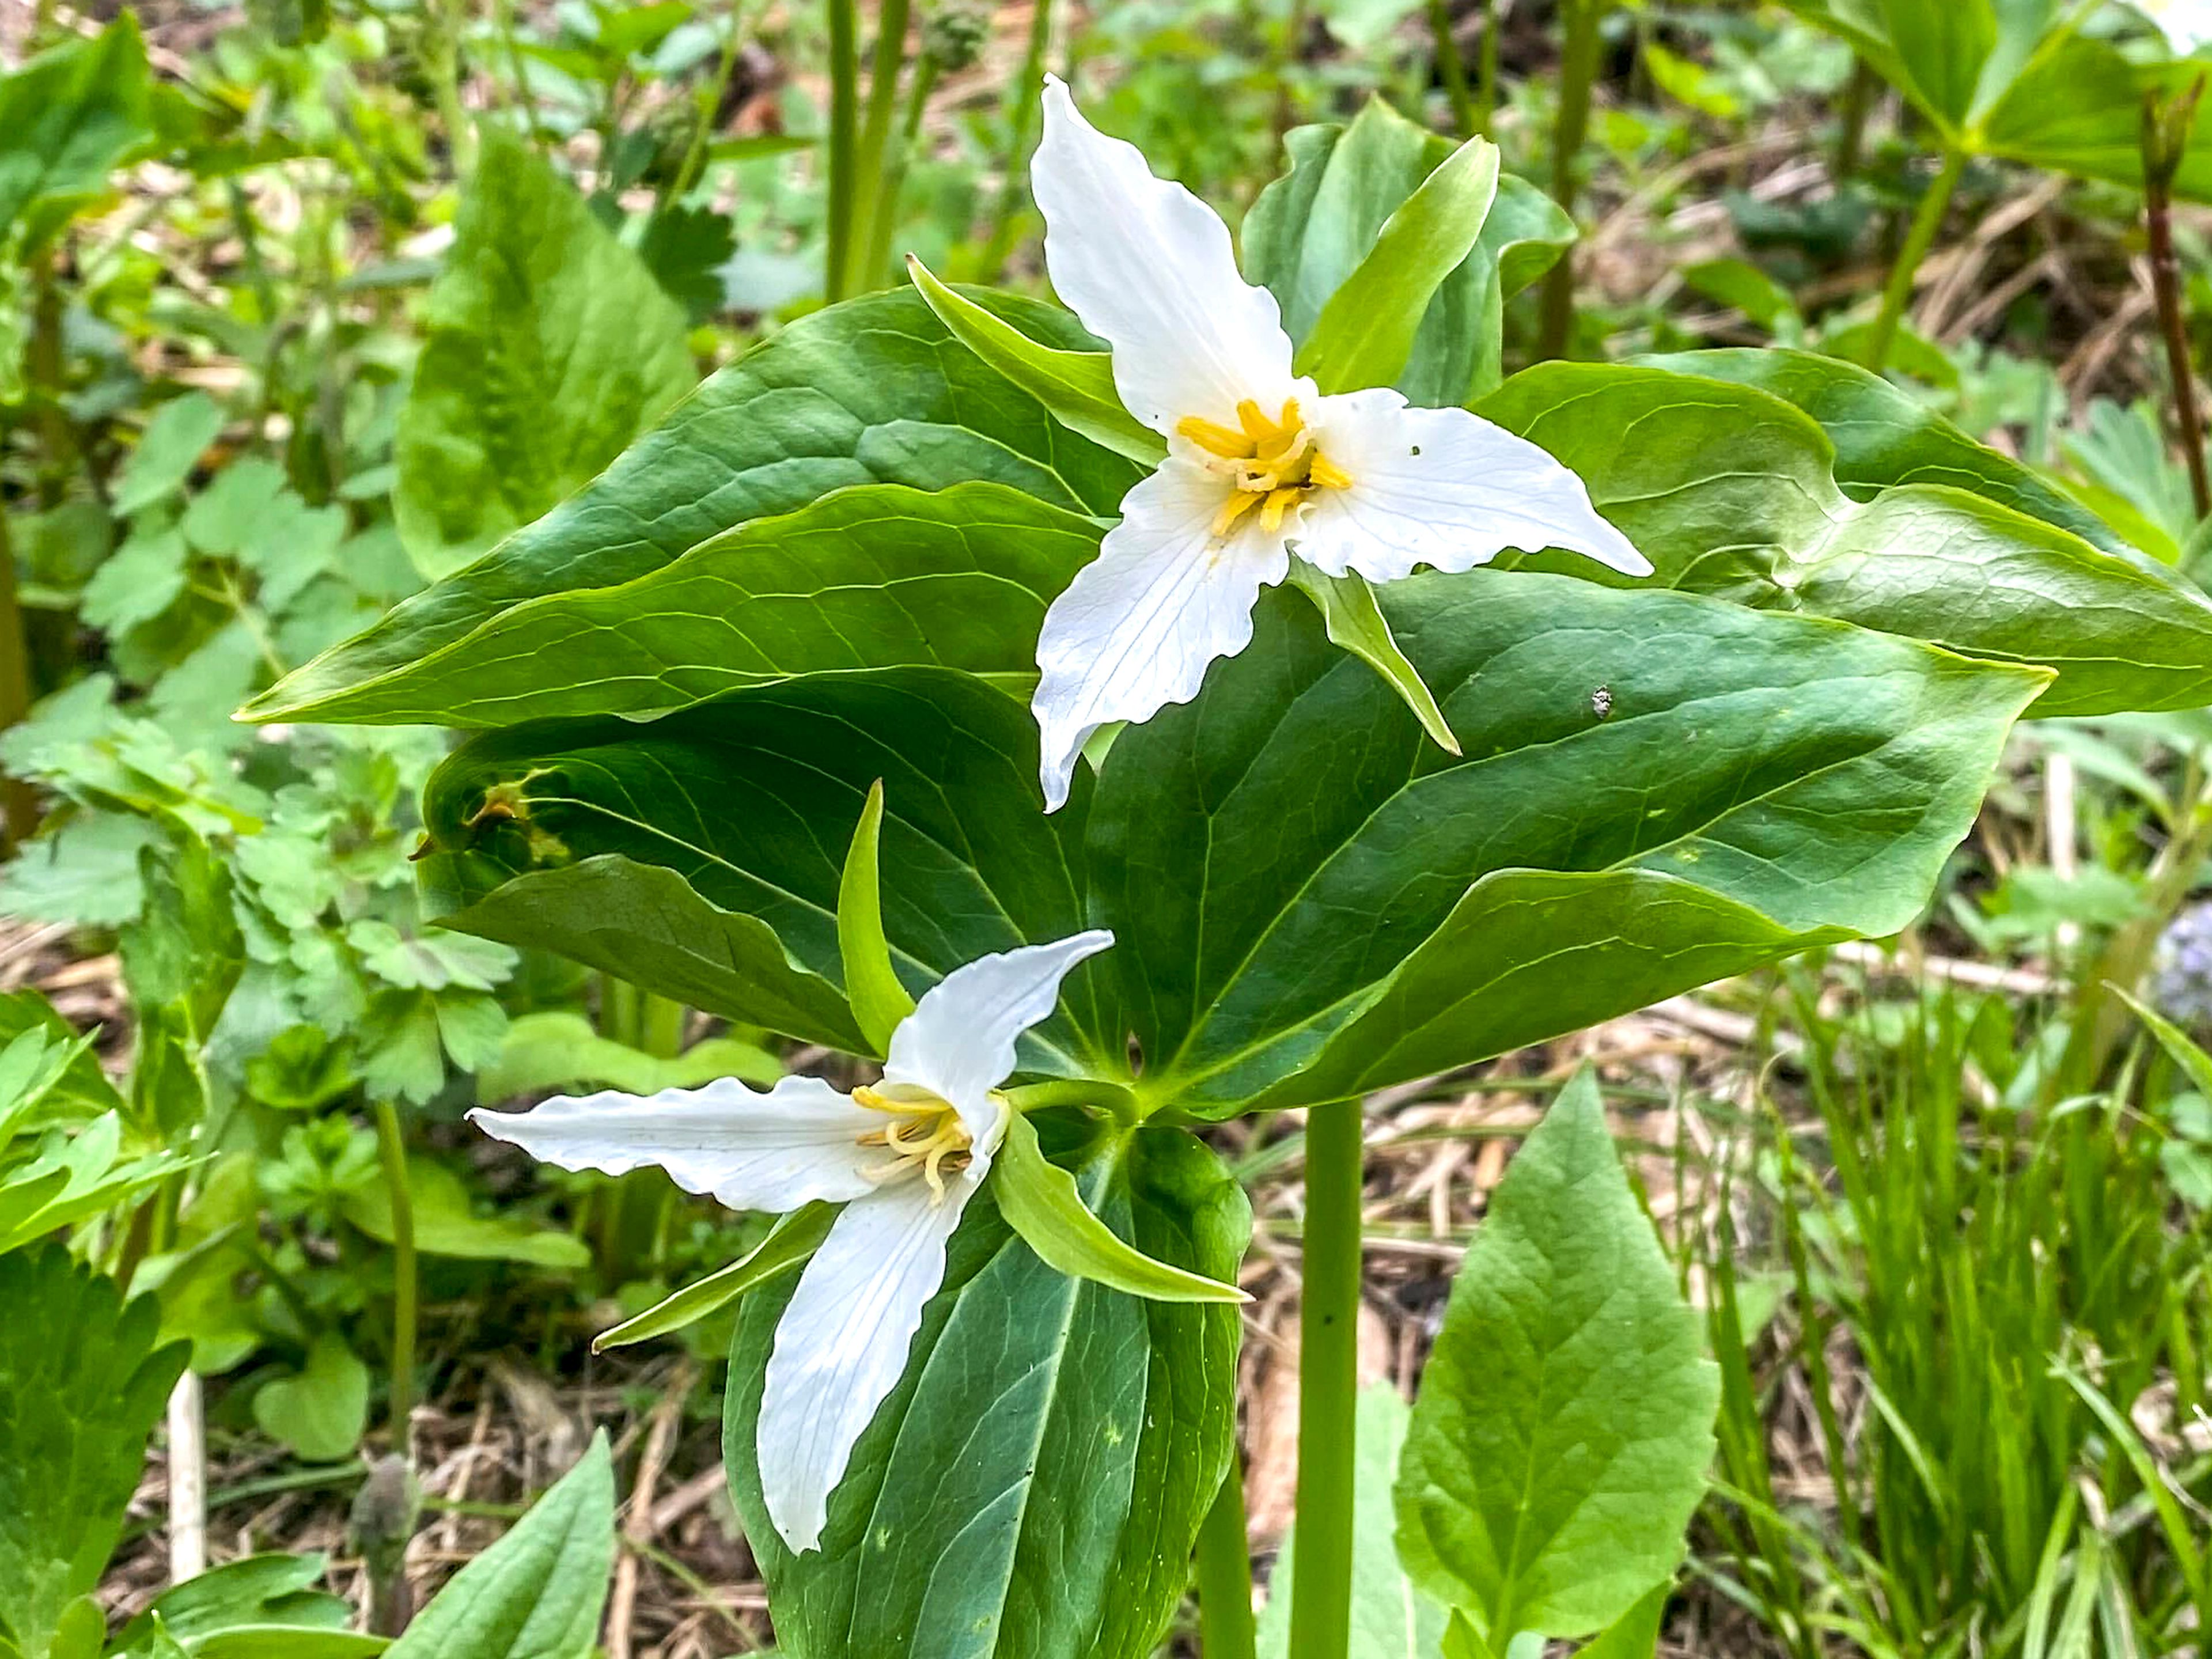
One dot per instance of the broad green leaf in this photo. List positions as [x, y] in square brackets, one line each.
[1310, 230]
[875, 390]
[1353, 620]
[873, 577]
[537, 1593]
[1034, 1485]
[1076, 386]
[789, 1243]
[1729, 491]
[1635, 1634]
[557, 1047]
[259, 1591]
[1884, 437]
[879, 1002]
[548, 347]
[321, 1411]
[1040, 1202]
[1754, 782]
[446, 1223]
[1390, 1619]
[68, 116]
[82, 1385]
[1565, 1422]
[177, 434]
[968, 865]
[1364, 334]
[646, 924]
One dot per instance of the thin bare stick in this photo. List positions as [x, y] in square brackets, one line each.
[188, 1491]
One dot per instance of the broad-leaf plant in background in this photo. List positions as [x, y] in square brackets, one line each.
[751, 728]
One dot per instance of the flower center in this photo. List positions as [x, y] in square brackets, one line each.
[923, 1137]
[1274, 463]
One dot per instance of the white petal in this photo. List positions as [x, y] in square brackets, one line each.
[776, 1150]
[1135, 629]
[1148, 268]
[1444, 488]
[959, 1041]
[842, 1341]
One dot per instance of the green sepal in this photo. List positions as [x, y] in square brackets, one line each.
[1364, 335]
[1076, 387]
[790, 1242]
[879, 1001]
[1040, 1201]
[1356, 623]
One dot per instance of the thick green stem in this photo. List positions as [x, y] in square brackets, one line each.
[895, 165]
[460, 136]
[1021, 102]
[1897, 293]
[393, 1145]
[1224, 1574]
[19, 802]
[1452, 69]
[1486, 73]
[844, 137]
[660, 1026]
[1858, 102]
[1328, 1383]
[872, 187]
[1577, 70]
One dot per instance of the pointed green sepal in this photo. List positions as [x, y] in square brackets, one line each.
[1355, 622]
[1076, 387]
[1364, 335]
[790, 1242]
[1040, 1202]
[879, 1001]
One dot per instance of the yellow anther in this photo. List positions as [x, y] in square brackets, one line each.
[1279, 502]
[1256, 425]
[1225, 441]
[1233, 509]
[1273, 463]
[1328, 474]
[925, 1136]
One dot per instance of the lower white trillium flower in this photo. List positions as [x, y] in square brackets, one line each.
[2187, 24]
[904, 1156]
[1260, 464]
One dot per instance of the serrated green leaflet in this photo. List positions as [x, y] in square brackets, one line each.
[1032, 1487]
[1560, 1440]
[871, 577]
[1728, 489]
[876, 391]
[71, 115]
[1751, 783]
[536, 1594]
[1310, 230]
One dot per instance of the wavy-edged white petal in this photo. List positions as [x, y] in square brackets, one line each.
[842, 1341]
[1149, 269]
[2187, 24]
[1444, 488]
[958, 1042]
[795, 1143]
[1136, 628]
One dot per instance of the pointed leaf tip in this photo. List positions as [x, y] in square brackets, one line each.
[879, 1001]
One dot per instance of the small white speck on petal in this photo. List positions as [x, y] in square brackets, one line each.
[841, 1345]
[1136, 628]
[1443, 488]
[748, 1149]
[1149, 269]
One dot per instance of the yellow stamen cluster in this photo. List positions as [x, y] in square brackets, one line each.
[1274, 462]
[925, 1136]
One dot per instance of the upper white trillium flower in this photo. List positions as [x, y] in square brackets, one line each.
[2187, 23]
[904, 1156]
[1260, 464]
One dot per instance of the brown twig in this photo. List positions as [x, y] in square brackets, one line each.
[2166, 129]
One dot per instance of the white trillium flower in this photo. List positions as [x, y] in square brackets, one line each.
[2187, 24]
[1261, 466]
[903, 1156]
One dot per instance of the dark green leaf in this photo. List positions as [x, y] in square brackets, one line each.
[1034, 1485]
[68, 116]
[537, 1593]
[321, 1411]
[1565, 1422]
[549, 347]
[874, 391]
[1729, 491]
[789, 1243]
[81, 1388]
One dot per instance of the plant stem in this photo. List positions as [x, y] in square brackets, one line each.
[1225, 1573]
[895, 167]
[1328, 1383]
[1577, 70]
[1858, 101]
[1485, 74]
[844, 113]
[1927, 220]
[872, 187]
[2166, 288]
[19, 802]
[1453, 70]
[460, 136]
[1022, 100]
[394, 1148]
